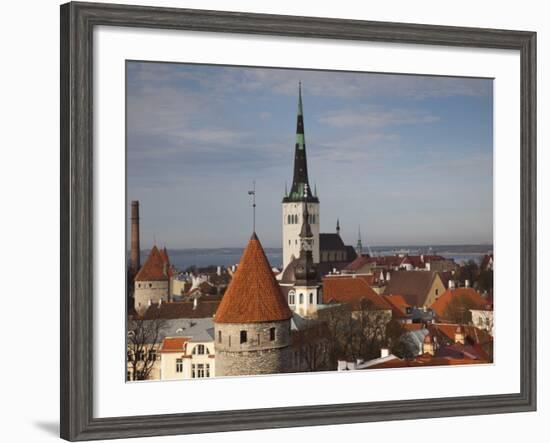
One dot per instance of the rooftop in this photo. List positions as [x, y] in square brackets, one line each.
[253, 295]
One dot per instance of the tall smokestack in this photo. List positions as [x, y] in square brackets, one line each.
[135, 264]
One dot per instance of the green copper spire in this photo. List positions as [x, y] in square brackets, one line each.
[300, 180]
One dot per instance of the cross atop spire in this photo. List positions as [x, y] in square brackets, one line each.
[300, 178]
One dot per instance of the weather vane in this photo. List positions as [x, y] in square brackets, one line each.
[253, 194]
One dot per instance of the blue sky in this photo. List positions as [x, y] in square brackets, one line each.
[408, 158]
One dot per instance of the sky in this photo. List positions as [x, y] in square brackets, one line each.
[407, 158]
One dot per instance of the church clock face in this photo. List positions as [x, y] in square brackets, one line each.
[306, 245]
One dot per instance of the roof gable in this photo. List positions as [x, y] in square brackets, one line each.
[413, 286]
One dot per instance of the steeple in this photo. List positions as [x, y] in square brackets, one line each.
[338, 226]
[359, 247]
[305, 272]
[300, 179]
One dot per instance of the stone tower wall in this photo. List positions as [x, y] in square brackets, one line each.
[258, 355]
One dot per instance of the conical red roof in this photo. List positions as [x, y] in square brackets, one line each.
[253, 294]
[155, 267]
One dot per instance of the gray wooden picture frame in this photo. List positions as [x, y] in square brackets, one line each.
[77, 24]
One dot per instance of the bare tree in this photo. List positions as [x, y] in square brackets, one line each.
[144, 336]
[458, 310]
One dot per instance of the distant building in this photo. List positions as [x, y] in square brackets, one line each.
[252, 323]
[182, 344]
[191, 355]
[366, 263]
[418, 288]
[152, 282]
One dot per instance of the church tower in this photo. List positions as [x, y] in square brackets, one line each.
[252, 322]
[307, 295]
[299, 196]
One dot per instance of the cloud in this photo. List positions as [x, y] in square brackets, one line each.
[376, 118]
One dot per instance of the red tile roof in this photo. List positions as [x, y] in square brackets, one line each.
[448, 330]
[253, 294]
[352, 290]
[155, 268]
[399, 305]
[174, 344]
[426, 360]
[441, 304]
[182, 309]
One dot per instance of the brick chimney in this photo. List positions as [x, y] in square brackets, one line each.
[135, 264]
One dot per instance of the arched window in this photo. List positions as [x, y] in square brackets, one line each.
[291, 297]
[288, 219]
[198, 350]
[219, 336]
[311, 298]
[243, 337]
[301, 298]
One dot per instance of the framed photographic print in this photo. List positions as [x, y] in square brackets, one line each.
[271, 204]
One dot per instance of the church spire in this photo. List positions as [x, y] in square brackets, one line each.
[306, 271]
[300, 179]
[359, 247]
[338, 226]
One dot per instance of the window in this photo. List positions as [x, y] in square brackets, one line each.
[179, 365]
[140, 355]
[199, 349]
[229, 340]
[207, 370]
[243, 337]
[258, 337]
[153, 355]
[301, 298]
[291, 297]
[272, 334]
[436, 292]
[289, 242]
[219, 336]
[150, 285]
[200, 370]
[311, 298]
[193, 371]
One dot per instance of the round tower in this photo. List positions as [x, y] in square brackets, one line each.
[252, 323]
